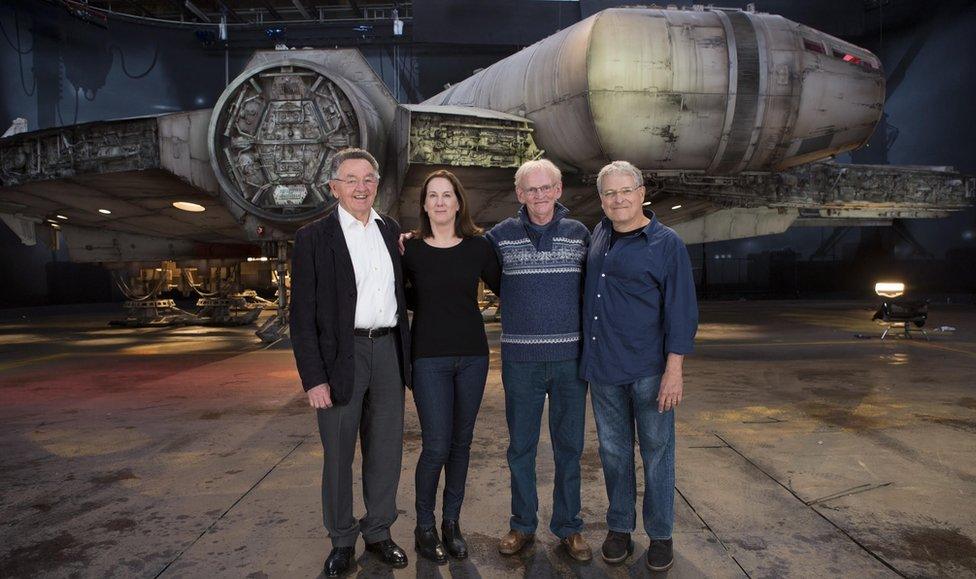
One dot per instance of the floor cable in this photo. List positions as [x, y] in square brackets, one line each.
[710, 530]
[239, 499]
[864, 547]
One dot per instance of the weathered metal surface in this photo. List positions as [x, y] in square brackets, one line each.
[460, 137]
[102, 147]
[22, 226]
[720, 108]
[183, 148]
[277, 125]
[818, 194]
[275, 136]
[887, 191]
[482, 147]
[153, 313]
[91, 245]
[720, 91]
[735, 223]
[117, 176]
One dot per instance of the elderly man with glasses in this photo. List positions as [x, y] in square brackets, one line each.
[350, 336]
[640, 317]
[541, 252]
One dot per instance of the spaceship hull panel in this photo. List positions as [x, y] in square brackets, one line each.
[714, 91]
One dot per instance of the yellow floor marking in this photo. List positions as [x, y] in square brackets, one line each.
[28, 361]
[48, 358]
[764, 344]
[939, 347]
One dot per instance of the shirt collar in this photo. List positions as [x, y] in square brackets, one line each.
[558, 213]
[646, 231]
[346, 220]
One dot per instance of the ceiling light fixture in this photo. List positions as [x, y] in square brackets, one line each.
[187, 206]
[676, 207]
[61, 216]
[646, 203]
[104, 211]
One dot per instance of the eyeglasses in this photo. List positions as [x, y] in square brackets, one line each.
[623, 191]
[540, 190]
[368, 182]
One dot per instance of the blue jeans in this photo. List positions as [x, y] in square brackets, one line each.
[526, 386]
[447, 391]
[617, 408]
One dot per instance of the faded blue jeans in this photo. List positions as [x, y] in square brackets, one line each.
[447, 391]
[527, 384]
[617, 410]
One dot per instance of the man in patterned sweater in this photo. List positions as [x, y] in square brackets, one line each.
[542, 253]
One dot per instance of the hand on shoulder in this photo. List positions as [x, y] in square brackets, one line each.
[402, 241]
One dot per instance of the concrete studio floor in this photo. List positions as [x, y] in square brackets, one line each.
[191, 452]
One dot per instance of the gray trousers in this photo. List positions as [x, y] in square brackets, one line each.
[375, 416]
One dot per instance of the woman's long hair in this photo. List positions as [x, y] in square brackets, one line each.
[463, 225]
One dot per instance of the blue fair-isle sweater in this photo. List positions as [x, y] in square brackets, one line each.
[541, 286]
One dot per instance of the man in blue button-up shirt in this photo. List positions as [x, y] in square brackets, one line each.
[640, 316]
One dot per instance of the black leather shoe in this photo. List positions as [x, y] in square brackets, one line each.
[453, 541]
[429, 545]
[339, 561]
[617, 547]
[660, 556]
[390, 552]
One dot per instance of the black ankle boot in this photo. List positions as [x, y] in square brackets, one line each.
[429, 545]
[453, 541]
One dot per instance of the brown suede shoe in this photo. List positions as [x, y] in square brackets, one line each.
[514, 541]
[577, 548]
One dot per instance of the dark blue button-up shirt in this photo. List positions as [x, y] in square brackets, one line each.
[639, 303]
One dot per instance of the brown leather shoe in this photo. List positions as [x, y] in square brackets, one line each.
[577, 548]
[514, 541]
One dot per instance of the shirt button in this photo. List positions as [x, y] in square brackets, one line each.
[597, 295]
[593, 338]
[596, 317]
[603, 275]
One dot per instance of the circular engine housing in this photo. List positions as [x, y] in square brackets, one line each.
[273, 134]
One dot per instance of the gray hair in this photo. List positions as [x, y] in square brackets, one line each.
[348, 155]
[619, 168]
[545, 164]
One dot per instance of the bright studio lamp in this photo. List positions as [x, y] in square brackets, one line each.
[889, 289]
[899, 313]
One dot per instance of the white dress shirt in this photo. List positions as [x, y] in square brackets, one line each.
[376, 305]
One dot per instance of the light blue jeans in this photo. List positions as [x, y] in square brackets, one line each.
[620, 410]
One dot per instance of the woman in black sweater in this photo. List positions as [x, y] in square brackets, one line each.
[443, 263]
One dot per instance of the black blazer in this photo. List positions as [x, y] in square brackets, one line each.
[323, 306]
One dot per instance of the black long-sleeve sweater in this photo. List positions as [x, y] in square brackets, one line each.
[442, 285]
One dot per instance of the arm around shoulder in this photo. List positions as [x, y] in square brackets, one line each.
[491, 271]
